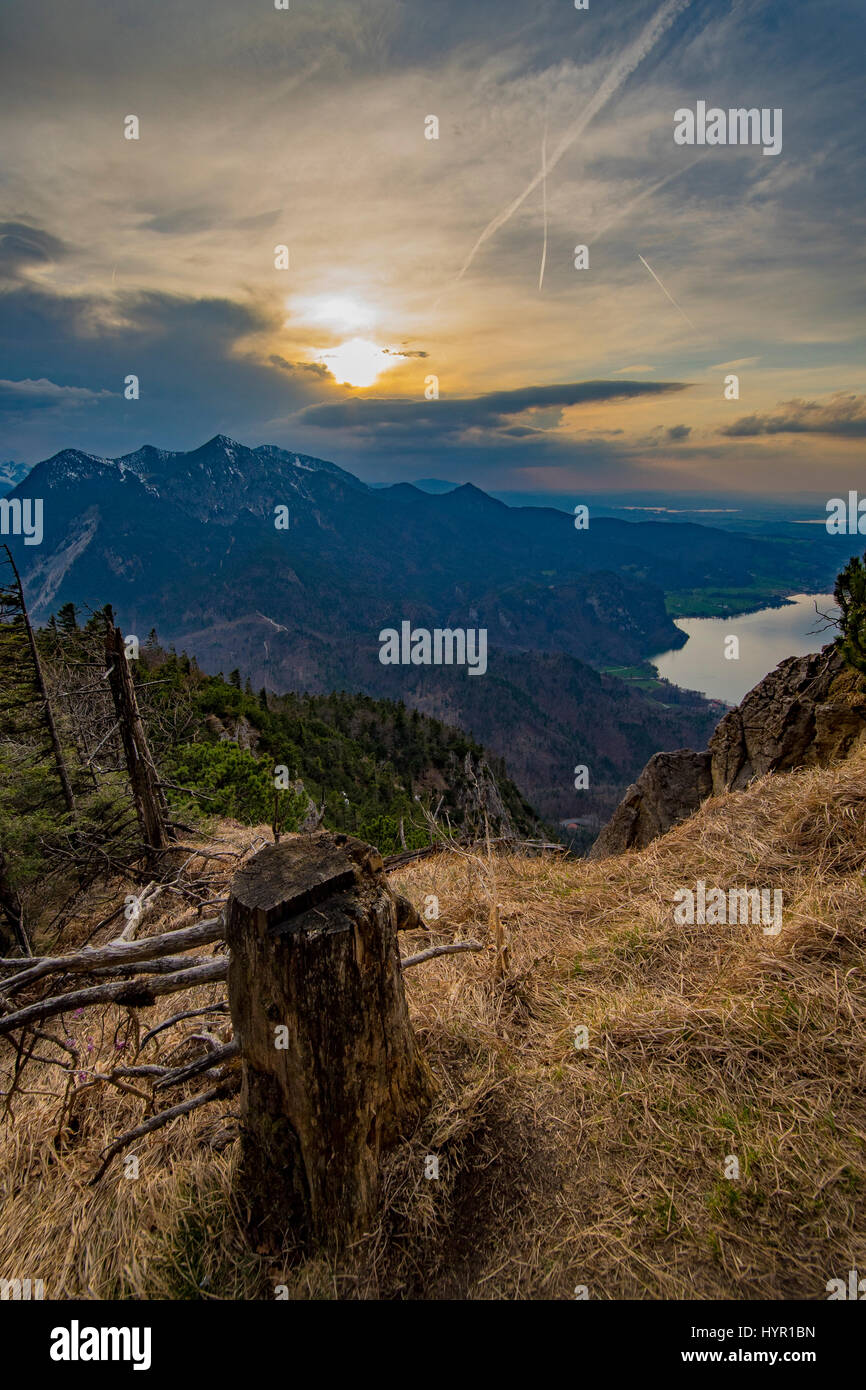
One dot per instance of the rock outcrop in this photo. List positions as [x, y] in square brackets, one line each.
[809, 711]
[671, 786]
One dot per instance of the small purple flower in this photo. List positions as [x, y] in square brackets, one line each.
[120, 1046]
[82, 1076]
[78, 1013]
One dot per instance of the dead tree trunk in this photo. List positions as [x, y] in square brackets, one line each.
[13, 933]
[332, 1074]
[147, 794]
[47, 708]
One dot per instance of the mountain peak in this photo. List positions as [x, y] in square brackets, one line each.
[71, 465]
[223, 441]
[475, 496]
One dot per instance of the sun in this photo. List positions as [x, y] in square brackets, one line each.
[358, 362]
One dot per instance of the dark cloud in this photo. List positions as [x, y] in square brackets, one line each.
[490, 411]
[843, 415]
[195, 376]
[19, 398]
[22, 246]
[317, 369]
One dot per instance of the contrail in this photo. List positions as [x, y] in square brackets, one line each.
[643, 46]
[647, 193]
[670, 296]
[544, 199]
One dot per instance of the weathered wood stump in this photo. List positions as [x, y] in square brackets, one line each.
[332, 1074]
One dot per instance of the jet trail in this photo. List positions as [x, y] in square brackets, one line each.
[544, 197]
[622, 213]
[669, 295]
[643, 46]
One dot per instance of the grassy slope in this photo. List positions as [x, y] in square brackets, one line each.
[558, 1167]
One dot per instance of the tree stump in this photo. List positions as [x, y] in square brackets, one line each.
[332, 1074]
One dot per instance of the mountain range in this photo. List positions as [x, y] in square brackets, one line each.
[188, 543]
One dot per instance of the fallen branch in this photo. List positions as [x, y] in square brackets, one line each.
[396, 861]
[441, 951]
[112, 1080]
[206, 1063]
[225, 1088]
[200, 853]
[137, 994]
[151, 967]
[179, 1018]
[146, 900]
[118, 953]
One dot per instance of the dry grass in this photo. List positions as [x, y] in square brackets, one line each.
[558, 1167]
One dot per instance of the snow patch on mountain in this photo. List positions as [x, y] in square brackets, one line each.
[11, 474]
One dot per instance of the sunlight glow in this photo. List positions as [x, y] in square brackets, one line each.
[340, 312]
[358, 362]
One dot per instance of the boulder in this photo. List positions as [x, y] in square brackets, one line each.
[671, 786]
[809, 711]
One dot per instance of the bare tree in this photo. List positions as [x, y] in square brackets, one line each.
[47, 711]
[147, 793]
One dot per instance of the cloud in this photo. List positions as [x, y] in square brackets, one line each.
[195, 358]
[317, 369]
[617, 75]
[664, 434]
[22, 246]
[244, 145]
[843, 415]
[182, 221]
[22, 396]
[490, 411]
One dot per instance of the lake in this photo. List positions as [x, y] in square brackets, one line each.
[766, 638]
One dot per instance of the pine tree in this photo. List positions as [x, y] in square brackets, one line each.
[67, 619]
[850, 594]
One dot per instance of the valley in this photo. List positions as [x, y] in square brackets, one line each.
[187, 543]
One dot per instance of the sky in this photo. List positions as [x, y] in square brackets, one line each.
[412, 258]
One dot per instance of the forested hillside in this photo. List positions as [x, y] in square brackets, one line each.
[340, 761]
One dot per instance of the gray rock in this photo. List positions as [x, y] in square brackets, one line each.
[671, 786]
[790, 719]
[809, 711]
